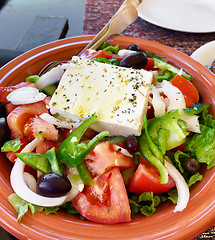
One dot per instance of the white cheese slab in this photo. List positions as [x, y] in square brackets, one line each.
[118, 96]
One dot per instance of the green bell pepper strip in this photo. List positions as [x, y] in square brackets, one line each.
[152, 146]
[32, 78]
[71, 152]
[84, 173]
[12, 145]
[150, 151]
[167, 76]
[166, 66]
[44, 162]
[37, 161]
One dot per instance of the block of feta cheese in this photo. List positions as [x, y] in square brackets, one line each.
[118, 96]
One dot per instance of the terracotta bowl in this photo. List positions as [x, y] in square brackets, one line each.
[164, 224]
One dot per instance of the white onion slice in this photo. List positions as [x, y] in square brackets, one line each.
[25, 95]
[51, 77]
[181, 185]
[57, 122]
[30, 181]
[122, 150]
[158, 103]
[20, 187]
[125, 52]
[176, 101]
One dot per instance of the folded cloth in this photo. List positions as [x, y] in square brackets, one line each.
[7, 55]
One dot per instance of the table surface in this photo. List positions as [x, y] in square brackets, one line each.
[88, 18]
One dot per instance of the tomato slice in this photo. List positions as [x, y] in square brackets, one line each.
[189, 91]
[147, 179]
[106, 201]
[150, 64]
[4, 91]
[101, 53]
[20, 115]
[104, 156]
[36, 126]
[46, 145]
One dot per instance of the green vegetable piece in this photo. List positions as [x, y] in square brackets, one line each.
[109, 48]
[163, 135]
[171, 123]
[50, 89]
[71, 152]
[32, 78]
[146, 145]
[22, 206]
[202, 146]
[151, 55]
[37, 161]
[195, 178]
[84, 173]
[55, 165]
[152, 146]
[197, 108]
[101, 59]
[12, 145]
[166, 66]
[167, 76]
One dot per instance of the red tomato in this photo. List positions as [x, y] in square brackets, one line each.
[4, 91]
[20, 115]
[38, 127]
[101, 53]
[106, 201]
[11, 155]
[9, 107]
[104, 157]
[46, 145]
[147, 179]
[150, 64]
[189, 91]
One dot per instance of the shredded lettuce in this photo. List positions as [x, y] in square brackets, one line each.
[22, 206]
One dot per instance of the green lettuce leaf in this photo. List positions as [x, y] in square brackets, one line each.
[22, 206]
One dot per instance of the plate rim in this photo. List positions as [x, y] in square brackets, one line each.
[84, 40]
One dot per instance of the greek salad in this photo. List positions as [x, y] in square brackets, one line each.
[113, 133]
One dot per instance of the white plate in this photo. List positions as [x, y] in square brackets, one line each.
[205, 54]
[197, 16]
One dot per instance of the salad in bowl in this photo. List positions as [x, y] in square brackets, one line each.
[111, 135]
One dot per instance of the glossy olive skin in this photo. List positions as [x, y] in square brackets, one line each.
[132, 144]
[191, 165]
[4, 131]
[135, 60]
[134, 47]
[53, 185]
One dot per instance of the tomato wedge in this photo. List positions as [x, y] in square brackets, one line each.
[147, 179]
[104, 156]
[189, 91]
[106, 201]
[20, 115]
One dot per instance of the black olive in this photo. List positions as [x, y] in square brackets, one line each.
[134, 47]
[4, 131]
[132, 144]
[191, 165]
[53, 185]
[135, 60]
[2, 110]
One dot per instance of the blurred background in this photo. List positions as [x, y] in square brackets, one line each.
[25, 24]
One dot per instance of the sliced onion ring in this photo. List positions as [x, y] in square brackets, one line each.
[20, 187]
[181, 185]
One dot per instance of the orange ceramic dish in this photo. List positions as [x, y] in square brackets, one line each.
[164, 224]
